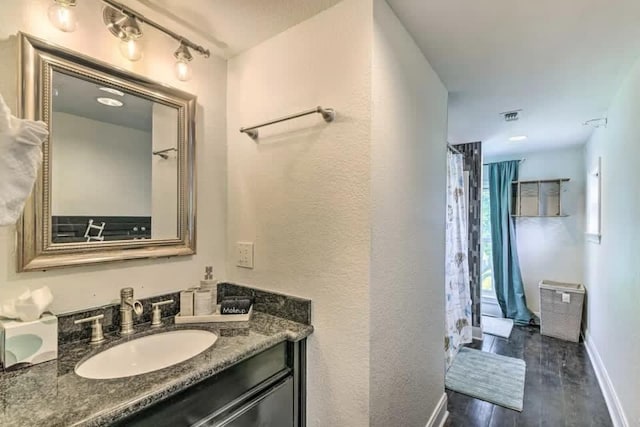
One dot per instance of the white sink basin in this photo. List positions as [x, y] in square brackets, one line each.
[146, 354]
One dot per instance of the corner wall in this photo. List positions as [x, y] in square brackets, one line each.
[612, 271]
[408, 164]
[302, 193]
[81, 287]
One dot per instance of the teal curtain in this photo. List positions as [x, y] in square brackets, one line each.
[506, 268]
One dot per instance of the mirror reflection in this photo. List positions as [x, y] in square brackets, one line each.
[114, 164]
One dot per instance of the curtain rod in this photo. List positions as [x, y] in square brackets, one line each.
[132, 13]
[454, 149]
[491, 163]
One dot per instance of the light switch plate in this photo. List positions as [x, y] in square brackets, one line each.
[244, 254]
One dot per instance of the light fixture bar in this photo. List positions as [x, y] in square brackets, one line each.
[132, 13]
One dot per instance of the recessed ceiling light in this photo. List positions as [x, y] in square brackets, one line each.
[518, 138]
[110, 102]
[112, 91]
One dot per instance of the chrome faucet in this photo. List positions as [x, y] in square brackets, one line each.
[127, 307]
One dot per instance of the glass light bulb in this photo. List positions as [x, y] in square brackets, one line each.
[131, 49]
[63, 17]
[183, 70]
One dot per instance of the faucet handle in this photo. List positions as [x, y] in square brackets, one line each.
[156, 319]
[97, 335]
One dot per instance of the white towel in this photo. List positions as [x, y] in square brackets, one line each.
[20, 158]
[24, 304]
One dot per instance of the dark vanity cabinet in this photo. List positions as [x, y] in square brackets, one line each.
[273, 408]
[265, 390]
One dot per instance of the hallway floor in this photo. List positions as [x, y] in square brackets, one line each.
[561, 388]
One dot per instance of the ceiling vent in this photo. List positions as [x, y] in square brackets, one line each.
[511, 116]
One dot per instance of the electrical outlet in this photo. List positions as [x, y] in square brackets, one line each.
[244, 254]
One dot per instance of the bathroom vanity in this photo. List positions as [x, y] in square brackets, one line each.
[254, 374]
[250, 373]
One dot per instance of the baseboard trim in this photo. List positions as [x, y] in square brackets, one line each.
[476, 333]
[440, 414]
[610, 396]
[444, 419]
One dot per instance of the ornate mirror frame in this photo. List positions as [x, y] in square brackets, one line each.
[38, 60]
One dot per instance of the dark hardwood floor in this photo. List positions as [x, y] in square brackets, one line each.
[561, 388]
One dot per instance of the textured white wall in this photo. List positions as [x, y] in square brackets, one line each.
[302, 193]
[81, 287]
[408, 158]
[99, 168]
[612, 272]
[552, 248]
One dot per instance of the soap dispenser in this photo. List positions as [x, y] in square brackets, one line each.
[209, 282]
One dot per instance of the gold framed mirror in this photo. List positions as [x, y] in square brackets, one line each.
[117, 180]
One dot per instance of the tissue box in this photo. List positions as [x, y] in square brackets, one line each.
[24, 344]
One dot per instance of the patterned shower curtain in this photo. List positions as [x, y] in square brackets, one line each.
[458, 294]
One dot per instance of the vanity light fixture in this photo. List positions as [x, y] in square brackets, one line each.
[518, 138]
[110, 102]
[124, 23]
[112, 91]
[63, 15]
[127, 29]
[131, 48]
[182, 67]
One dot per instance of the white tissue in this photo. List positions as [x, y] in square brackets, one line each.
[26, 305]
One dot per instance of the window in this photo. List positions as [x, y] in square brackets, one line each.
[486, 263]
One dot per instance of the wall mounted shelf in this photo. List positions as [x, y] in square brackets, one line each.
[538, 198]
[539, 216]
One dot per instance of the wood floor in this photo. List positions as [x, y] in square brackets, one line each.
[561, 388]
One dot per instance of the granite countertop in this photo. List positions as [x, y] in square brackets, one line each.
[51, 394]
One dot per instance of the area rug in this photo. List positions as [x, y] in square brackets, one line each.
[487, 376]
[497, 326]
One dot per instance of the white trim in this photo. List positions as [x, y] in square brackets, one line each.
[476, 333]
[593, 224]
[444, 419]
[440, 414]
[610, 396]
